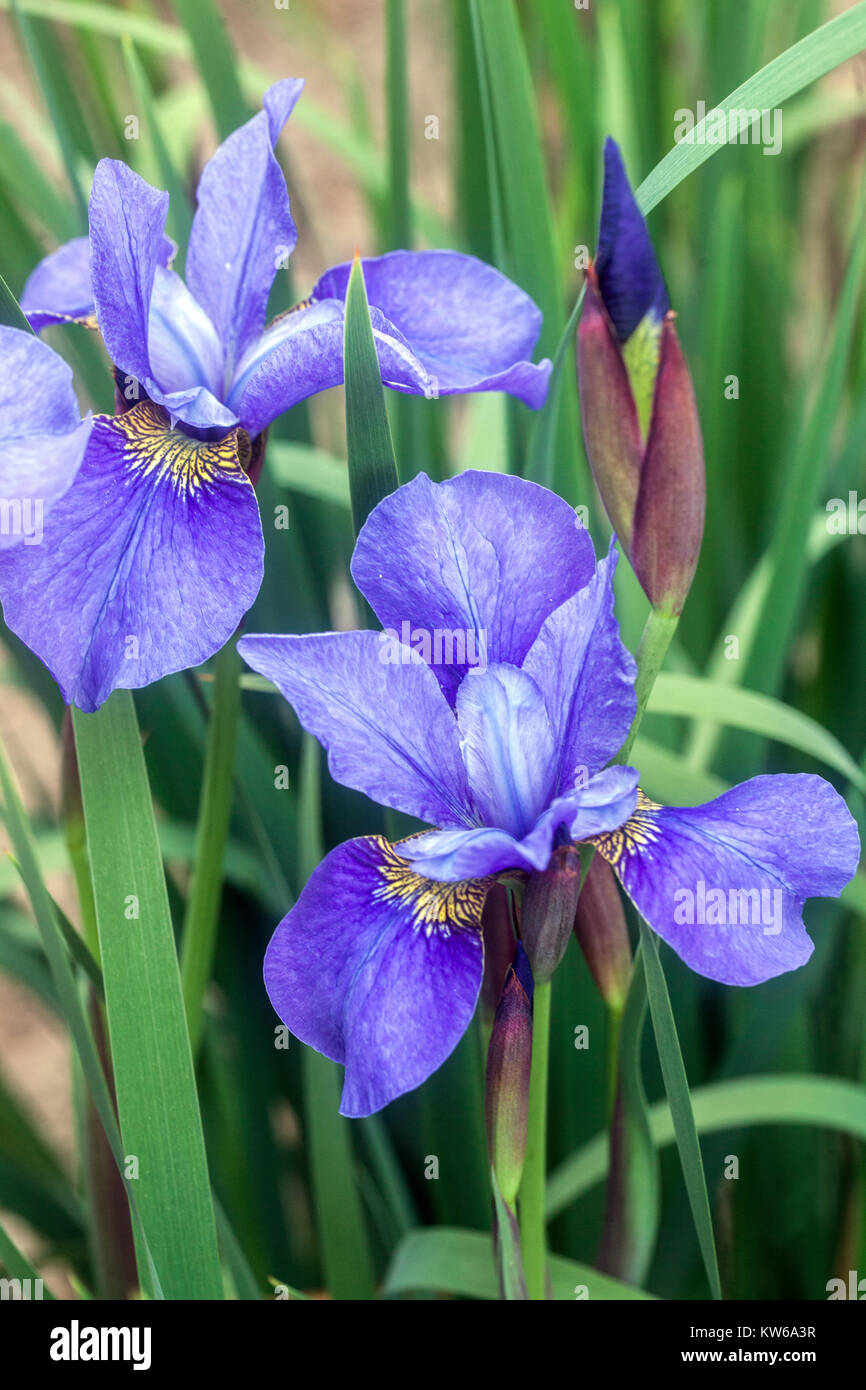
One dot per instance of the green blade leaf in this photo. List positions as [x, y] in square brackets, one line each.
[150, 1051]
[448, 1260]
[16, 1264]
[677, 1088]
[802, 63]
[824, 1102]
[760, 714]
[372, 467]
[215, 60]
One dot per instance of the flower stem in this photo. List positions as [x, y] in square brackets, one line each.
[202, 908]
[532, 1187]
[655, 640]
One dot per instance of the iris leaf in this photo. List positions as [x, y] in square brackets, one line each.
[215, 60]
[825, 1102]
[677, 1087]
[150, 1050]
[759, 714]
[449, 1260]
[15, 1263]
[372, 466]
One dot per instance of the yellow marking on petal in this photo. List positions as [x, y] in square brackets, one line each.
[161, 453]
[433, 907]
[639, 831]
[641, 356]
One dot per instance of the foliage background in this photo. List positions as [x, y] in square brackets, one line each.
[764, 259]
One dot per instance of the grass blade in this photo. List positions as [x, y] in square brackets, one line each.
[151, 1057]
[677, 1088]
[372, 467]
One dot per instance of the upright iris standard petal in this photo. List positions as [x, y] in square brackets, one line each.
[379, 969]
[127, 233]
[243, 229]
[587, 678]
[628, 273]
[473, 329]
[724, 883]
[301, 353]
[148, 563]
[42, 437]
[476, 563]
[388, 731]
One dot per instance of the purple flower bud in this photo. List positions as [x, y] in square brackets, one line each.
[640, 420]
[549, 904]
[600, 927]
[509, 1059]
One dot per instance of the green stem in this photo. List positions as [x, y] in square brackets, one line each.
[655, 640]
[614, 1034]
[202, 908]
[532, 1187]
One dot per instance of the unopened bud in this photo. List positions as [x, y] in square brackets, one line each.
[601, 929]
[509, 1062]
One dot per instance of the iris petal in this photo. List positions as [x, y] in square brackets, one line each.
[473, 329]
[127, 221]
[148, 562]
[586, 675]
[243, 228]
[603, 804]
[482, 559]
[724, 883]
[507, 746]
[302, 353]
[388, 731]
[378, 969]
[42, 438]
[629, 278]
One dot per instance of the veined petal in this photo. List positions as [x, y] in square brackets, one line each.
[42, 437]
[473, 329]
[243, 229]
[629, 278]
[378, 969]
[183, 345]
[476, 563]
[127, 238]
[301, 353]
[587, 677]
[724, 884]
[507, 745]
[388, 731]
[602, 805]
[59, 290]
[148, 562]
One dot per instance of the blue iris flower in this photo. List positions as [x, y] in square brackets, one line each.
[152, 557]
[490, 707]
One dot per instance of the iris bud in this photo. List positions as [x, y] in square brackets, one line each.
[549, 904]
[640, 419]
[601, 930]
[509, 1060]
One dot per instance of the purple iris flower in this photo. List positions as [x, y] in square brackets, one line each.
[42, 435]
[151, 559]
[490, 706]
